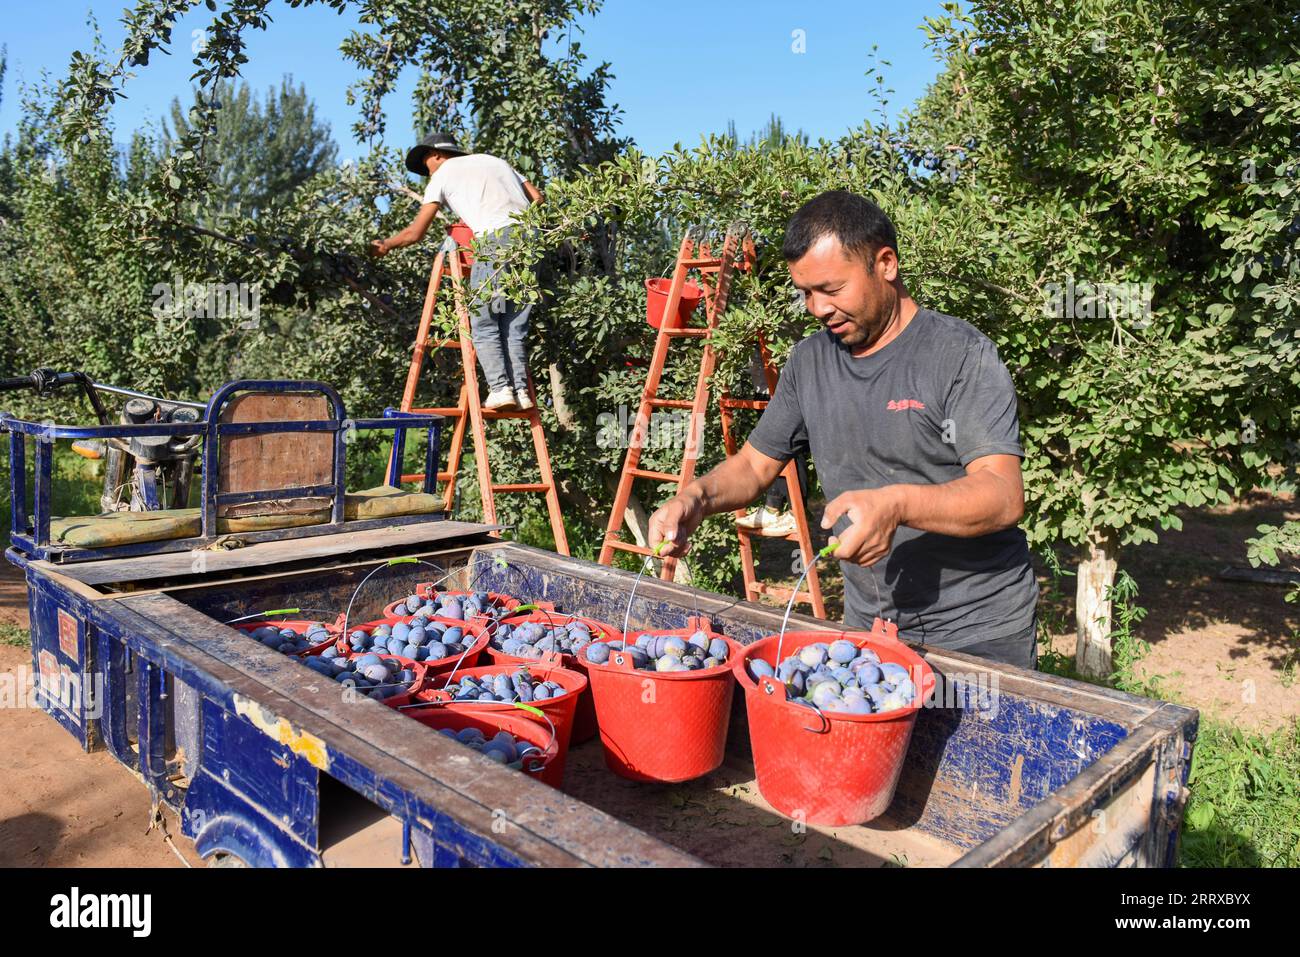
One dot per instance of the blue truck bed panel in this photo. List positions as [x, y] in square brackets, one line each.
[1013, 767]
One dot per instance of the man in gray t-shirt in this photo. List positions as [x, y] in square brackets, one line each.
[910, 418]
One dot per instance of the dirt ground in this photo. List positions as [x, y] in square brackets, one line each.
[1228, 648]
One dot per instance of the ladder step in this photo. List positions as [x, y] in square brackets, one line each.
[498, 414]
[670, 403]
[522, 487]
[657, 476]
[419, 477]
[730, 403]
[450, 412]
[445, 343]
[697, 263]
[777, 591]
[629, 547]
[687, 333]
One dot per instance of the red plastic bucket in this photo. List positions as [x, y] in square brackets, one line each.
[438, 665]
[560, 709]
[464, 237]
[548, 768]
[668, 726]
[656, 301]
[584, 720]
[829, 768]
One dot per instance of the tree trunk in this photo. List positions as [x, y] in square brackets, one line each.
[1093, 610]
[559, 398]
[638, 522]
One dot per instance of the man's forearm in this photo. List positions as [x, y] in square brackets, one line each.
[729, 486]
[398, 240]
[972, 505]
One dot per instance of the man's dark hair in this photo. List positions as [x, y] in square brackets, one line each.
[860, 225]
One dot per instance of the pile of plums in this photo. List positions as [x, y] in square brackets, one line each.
[419, 639]
[457, 606]
[502, 747]
[504, 686]
[840, 677]
[532, 639]
[370, 674]
[665, 653]
[289, 642]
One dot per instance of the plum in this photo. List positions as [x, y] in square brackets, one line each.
[857, 704]
[811, 655]
[413, 604]
[674, 646]
[894, 673]
[758, 668]
[843, 651]
[700, 640]
[453, 609]
[718, 649]
[375, 672]
[598, 652]
[436, 650]
[867, 674]
[401, 630]
[541, 693]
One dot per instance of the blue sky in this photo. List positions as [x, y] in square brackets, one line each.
[682, 69]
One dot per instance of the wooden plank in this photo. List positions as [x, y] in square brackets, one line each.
[548, 827]
[217, 561]
[255, 463]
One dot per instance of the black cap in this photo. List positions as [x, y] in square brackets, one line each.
[442, 142]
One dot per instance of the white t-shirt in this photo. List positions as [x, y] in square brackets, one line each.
[481, 189]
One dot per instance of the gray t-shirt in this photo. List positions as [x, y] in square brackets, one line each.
[916, 412]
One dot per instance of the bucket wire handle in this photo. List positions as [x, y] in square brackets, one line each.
[378, 568]
[627, 615]
[789, 605]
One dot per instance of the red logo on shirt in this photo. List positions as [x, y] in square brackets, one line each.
[898, 405]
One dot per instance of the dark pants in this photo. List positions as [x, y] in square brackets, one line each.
[778, 495]
[1019, 650]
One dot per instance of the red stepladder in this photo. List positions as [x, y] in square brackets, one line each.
[452, 264]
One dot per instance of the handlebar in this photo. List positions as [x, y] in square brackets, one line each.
[42, 381]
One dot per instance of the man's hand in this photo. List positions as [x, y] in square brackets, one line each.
[378, 247]
[875, 514]
[674, 521]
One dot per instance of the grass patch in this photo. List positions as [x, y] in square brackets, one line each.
[14, 637]
[1244, 808]
[1245, 801]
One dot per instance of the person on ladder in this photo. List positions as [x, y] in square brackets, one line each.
[486, 192]
[910, 417]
